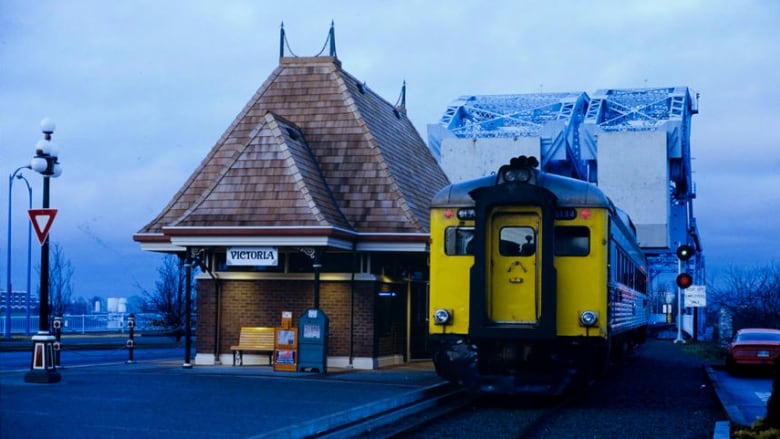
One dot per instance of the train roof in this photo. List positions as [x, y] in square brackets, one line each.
[570, 192]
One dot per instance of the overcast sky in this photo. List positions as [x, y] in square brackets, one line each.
[141, 90]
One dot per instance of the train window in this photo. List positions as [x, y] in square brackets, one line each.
[458, 241]
[641, 282]
[517, 241]
[572, 241]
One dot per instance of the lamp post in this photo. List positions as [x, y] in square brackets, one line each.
[9, 284]
[29, 251]
[42, 367]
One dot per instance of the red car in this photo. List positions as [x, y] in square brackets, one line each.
[753, 347]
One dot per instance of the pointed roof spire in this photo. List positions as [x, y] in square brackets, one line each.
[332, 39]
[281, 41]
[400, 104]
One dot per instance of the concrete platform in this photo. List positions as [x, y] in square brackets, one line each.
[162, 399]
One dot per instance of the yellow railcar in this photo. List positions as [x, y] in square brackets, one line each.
[535, 279]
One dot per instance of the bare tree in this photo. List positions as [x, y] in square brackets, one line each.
[750, 296]
[60, 286]
[168, 295]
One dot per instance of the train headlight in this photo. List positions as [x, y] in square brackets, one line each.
[520, 170]
[442, 316]
[522, 175]
[589, 318]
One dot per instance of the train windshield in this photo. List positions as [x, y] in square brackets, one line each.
[517, 241]
[458, 241]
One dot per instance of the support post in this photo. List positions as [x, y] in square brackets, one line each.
[316, 264]
[187, 310]
[130, 339]
[57, 339]
[679, 338]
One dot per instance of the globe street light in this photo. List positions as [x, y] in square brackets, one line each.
[9, 284]
[42, 367]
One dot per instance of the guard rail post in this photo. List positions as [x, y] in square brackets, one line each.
[130, 341]
[57, 324]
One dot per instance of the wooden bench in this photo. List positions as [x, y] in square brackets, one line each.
[255, 340]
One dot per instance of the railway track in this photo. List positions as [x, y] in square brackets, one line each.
[502, 416]
[655, 393]
[658, 392]
[382, 419]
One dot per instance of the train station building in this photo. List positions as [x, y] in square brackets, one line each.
[315, 197]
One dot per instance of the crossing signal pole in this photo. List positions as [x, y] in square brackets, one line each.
[683, 281]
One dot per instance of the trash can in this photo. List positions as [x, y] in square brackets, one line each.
[313, 341]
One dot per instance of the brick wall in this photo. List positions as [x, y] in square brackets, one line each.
[261, 303]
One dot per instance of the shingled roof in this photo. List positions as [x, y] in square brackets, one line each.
[313, 149]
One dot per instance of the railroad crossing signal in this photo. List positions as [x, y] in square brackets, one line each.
[684, 280]
[685, 252]
[42, 220]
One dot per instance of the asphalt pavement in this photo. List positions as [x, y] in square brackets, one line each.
[159, 398]
[744, 398]
[162, 399]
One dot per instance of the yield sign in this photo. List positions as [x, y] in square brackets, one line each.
[41, 220]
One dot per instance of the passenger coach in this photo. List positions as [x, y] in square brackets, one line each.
[535, 279]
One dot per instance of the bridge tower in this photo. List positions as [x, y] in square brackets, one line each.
[643, 139]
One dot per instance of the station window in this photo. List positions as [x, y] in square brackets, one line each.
[572, 241]
[331, 262]
[399, 265]
[459, 241]
[338, 262]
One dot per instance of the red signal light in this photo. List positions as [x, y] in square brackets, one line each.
[684, 280]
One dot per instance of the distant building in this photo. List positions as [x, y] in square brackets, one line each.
[18, 301]
[116, 304]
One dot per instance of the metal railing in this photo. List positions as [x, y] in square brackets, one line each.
[84, 323]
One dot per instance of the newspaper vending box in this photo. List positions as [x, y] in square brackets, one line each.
[286, 345]
[313, 341]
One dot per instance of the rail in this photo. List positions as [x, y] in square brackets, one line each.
[382, 419]
[84, 323]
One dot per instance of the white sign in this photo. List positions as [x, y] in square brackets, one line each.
[696, 296]
[253, 256]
